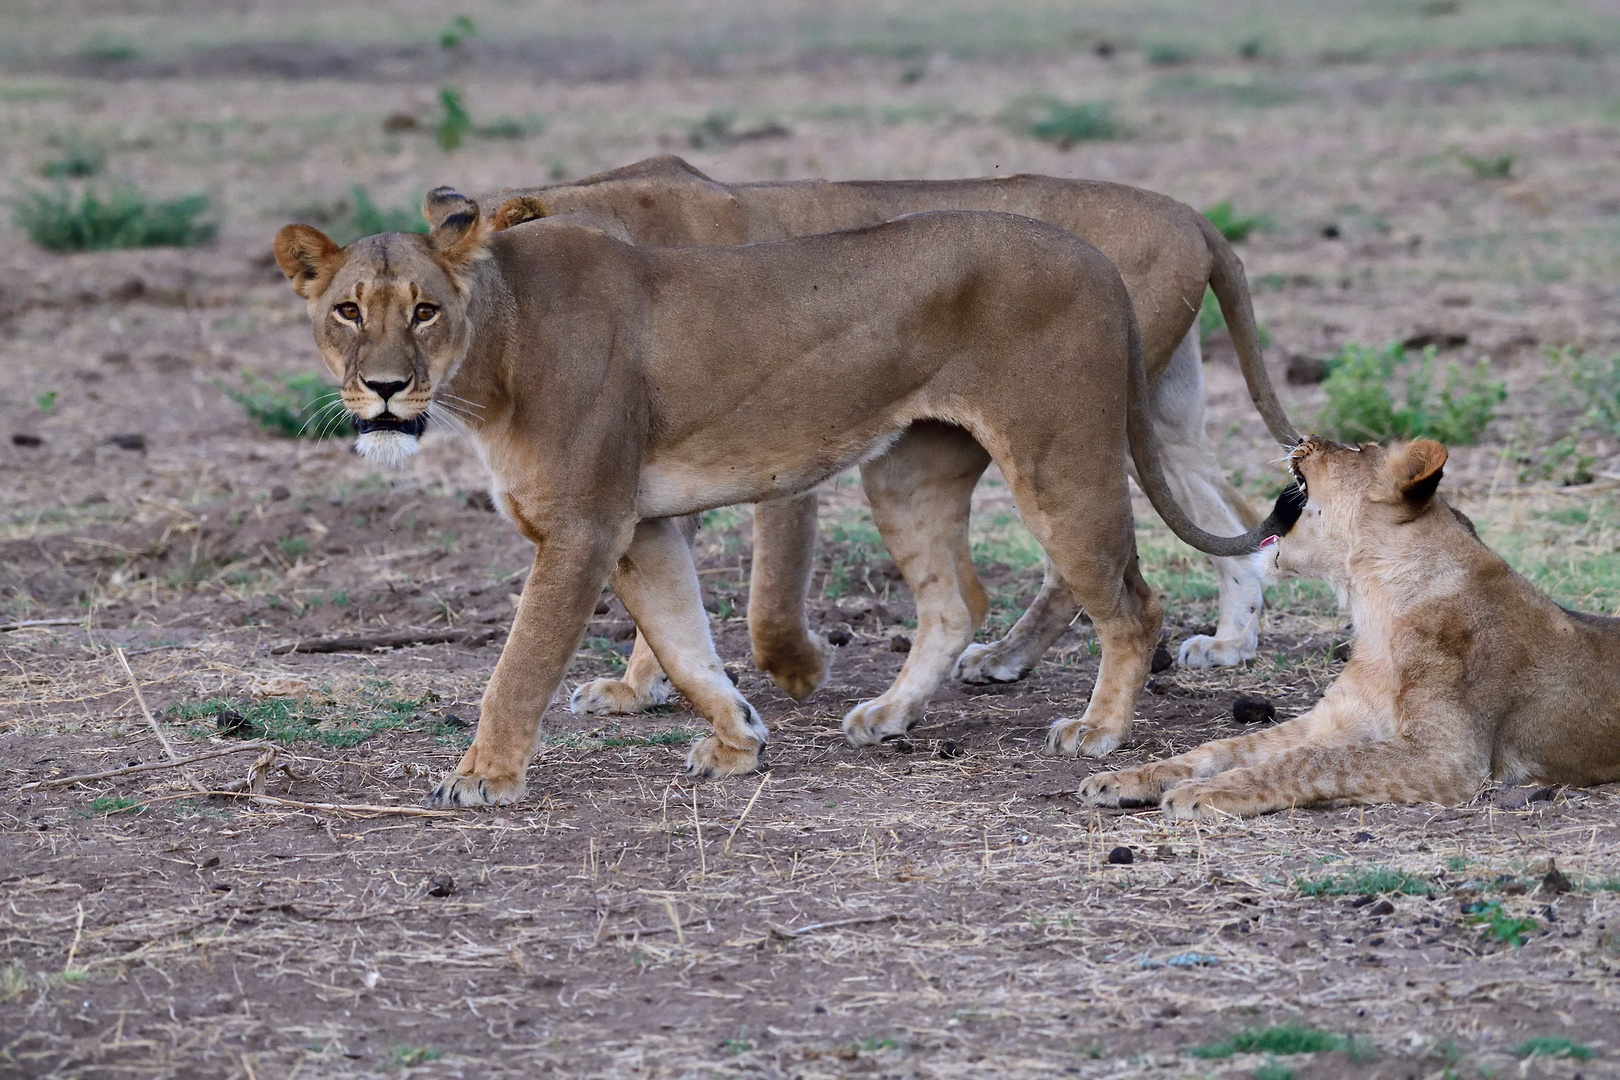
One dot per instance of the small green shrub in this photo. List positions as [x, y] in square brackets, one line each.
[302, 406]
[713, 130]
[1066, 123]
[115, 804]
[1271, 1070]
[293, 720]
[459, 30]
[1232, 225]
[1166, 54]
[77, 160]
[1361, 406]
[407, 1057]
[1554, 1046]
[1499, 167]
[1282, 1039]
[123, 218]
[456, 123]
[1498, 924]
[367, 219]
[1595, 385]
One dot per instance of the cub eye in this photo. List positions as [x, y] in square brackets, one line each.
[348, 310]
[425, 312]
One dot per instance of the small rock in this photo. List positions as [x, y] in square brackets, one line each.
[280, 493]
[1362, 901]
[1542, 794]
[117, 356]
[133, 441]
[401, 121]
[452, 720]
[481, 500]
[1442, 339]
[1330, 231]
[22, 438]
[902, 745]
[1383, 907]
[1160, 687]
[1122, 856]
[839, 637]
[1162, 660]
[1555, 881]
[1306, 370]
[232, 723]
[441, 884]
[1253, 709]
[1361, 838]
[1165, 851]
[900, 643]
[947, 749]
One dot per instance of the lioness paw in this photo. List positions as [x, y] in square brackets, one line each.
[870, 722]
[989, 663]
[604, 697]
[797, 670]
[710, 758]
[467, 790]
[1204, 651]
[1075, 738]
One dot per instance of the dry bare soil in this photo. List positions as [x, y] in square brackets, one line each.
[937, 907]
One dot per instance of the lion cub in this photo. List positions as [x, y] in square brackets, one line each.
[1463, 671]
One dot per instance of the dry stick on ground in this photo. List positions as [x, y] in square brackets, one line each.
[386, 641]
[337, 808]
[151, 766]
[27, 623]
[762, 782]
[150, 719]
[785, 934]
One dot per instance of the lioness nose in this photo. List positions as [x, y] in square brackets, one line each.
[386, 390]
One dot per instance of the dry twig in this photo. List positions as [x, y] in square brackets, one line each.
[150, 719]
[151, 766]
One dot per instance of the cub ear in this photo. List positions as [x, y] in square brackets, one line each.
[309, 258]
[1418, 467]
[457, 229]
[518, 209]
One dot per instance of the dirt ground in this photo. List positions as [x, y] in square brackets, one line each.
[940, 907]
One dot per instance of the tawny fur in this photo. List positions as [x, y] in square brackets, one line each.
[1461, 672]
[1168, 256]
[614, 388]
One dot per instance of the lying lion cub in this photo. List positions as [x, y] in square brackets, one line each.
[1463, 672]
[611, 388]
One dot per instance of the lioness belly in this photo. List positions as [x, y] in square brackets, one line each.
[672, 485]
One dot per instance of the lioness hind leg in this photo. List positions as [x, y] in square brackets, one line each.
[644, 686]
[784, 556]
[659, 587]
[1037, 629]
[921, 494]
[1176, 411]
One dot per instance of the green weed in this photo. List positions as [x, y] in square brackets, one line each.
[367, 219]
[292, 720]
[1065, 123]
[1594, 385]
[115, 804]
[301, 406]
[1271, 1070]
[1233, 225]
[1498, 924]
[108, 47]
[737, 1044]
[122, 218]
[13, 981]
[1554, 1046]
[1361, 406]
[605, 650]
[1372, 881]
[459, 30]
[1164, 54]
[406, 1057]
[1282, 1039]
[455, 123]
[46, 401]
[1499, 167]
[77, 160]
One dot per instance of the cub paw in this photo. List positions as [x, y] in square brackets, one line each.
[710, 758]
[466, 790]
[1203, 651]
[1074, 738]
[799, 669]
[870, 722]
[1126, 789]
[604, 697]
[989, 663]
[1194, 802]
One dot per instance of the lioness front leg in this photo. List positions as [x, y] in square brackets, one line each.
[564, 582]
[784, 556]
[644, 686]
[659, 587]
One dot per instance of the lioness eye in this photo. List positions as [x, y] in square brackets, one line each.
[349, 310]
[425, 312]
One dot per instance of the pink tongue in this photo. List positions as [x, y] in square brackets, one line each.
[1267, 542]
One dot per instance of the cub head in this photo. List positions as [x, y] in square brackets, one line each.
[390, 315]
[1353, 498]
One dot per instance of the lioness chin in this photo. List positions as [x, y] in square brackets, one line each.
[1168, 256]
[1462, 670]
[613, 388]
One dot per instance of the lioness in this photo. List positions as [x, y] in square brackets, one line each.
[1462, 670]
[611, 387]
[1168, 255]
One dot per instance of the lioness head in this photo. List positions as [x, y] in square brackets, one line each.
[390, 315]
[1349, 497]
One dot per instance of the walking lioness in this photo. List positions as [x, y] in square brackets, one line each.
[611, 387]
[1167, 254]
[1462, 670]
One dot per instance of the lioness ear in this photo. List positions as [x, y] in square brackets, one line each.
[1418, 469]
[518, 209]
[308, 257]
[458, 230]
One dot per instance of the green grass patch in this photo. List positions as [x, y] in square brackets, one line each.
[1373, 881]
[407, 1057]
[1495, 167]
[1498, 924]
[1554, 1046]
[1362, 406]
[1282, 1039]
[115, 804]
[1001, 537]
[295, 406]
[77, 160]
[1272, 1070]
[123, 217]
[1065, 123]
[1233, 225]
[13, 981]
[291, 720]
